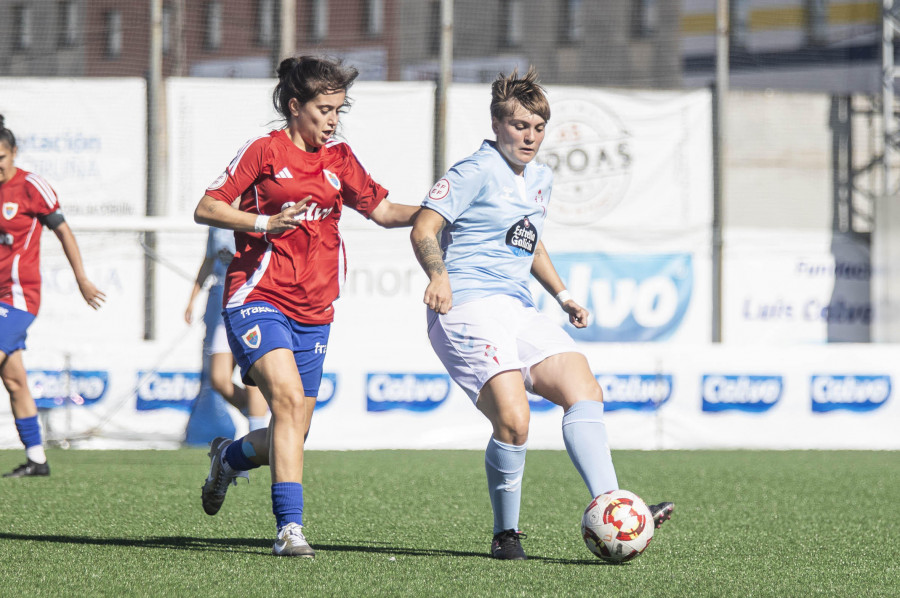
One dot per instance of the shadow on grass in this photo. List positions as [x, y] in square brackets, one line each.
[263, 546]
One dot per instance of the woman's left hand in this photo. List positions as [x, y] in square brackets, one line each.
[91, 294]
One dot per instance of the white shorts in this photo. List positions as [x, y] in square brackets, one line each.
[217, 341]
[479, 339]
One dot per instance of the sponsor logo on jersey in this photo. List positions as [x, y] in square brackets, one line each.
[332, 179]
[640, 392]
[849, 392]
[257, 309]
[410, 392]
[440, 190]
[313, 211]
[52, 388]
[167, 390]
[10, 209]
[327, 390]
[521, 238]
[632, 297]
[220, 180]
[284, 173]
[252, 337]
[6, 239]
[590, 152]
[753, 394]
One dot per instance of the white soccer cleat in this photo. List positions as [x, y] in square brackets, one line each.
[217, 481]
[292, 542]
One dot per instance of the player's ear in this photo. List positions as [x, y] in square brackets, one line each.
[495, 125]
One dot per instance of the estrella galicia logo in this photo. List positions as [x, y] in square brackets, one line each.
[172, 390]
[522, 237]
[753, 394]
[640, 392]
[851, 392]
[632, 297]
[412, 392]
[327, 390]
[52, 388]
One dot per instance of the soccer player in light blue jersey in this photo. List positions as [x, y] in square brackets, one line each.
[478, 238]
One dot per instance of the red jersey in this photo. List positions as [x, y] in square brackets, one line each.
[24, 199]
[299, 271]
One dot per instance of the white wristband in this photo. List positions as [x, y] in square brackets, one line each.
[563, 296]
[262, 224]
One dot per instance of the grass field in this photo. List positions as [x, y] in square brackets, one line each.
[408, 523]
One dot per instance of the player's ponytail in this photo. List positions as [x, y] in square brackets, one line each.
[305, 77]
[6, 136]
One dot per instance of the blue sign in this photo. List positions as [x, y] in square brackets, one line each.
[851, 393]
[167, 390]
[410, 391]
[327, 390]
[632, 297]
[640, 392]
[52, 388]
[752, 394]
[539, 404]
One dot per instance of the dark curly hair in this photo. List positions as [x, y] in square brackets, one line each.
[305, 77]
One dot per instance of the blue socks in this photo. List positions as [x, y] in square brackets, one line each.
[287, 503]
[238, 453]
[29, 431]
[505, 466]
[584, 434]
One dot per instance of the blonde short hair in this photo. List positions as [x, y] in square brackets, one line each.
[509, 90]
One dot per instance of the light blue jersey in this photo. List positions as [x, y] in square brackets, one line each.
[495, 220]
[219, 247]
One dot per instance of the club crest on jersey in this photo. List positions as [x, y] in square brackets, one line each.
[491, 352]
[10, 209]
[252, 337]
[332, 179]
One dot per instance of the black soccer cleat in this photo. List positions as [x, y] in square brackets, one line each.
[506, 546]
[29, 469]
[661, 512]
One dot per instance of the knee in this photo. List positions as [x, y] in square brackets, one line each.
[513, 430]
[288, 403]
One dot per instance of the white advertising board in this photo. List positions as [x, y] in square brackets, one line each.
[86, 137]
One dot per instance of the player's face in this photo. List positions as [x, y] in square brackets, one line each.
[7, 156]
[519, 137]
[317, 119]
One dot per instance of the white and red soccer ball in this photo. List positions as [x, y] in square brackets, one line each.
[617, 526]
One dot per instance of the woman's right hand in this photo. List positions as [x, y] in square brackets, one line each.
[289, 218]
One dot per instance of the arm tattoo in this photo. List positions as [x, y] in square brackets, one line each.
[430, 256]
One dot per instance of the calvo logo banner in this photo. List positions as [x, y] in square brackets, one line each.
[53, 388]
[849, 392]
[632, 297]
[638, 392]
[167, 390]
[327, 390]
[407, 391]
[749, 393]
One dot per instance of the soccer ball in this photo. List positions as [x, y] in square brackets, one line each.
[617, 526]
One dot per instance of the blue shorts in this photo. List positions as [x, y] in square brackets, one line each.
[14, 325]
[256, 328]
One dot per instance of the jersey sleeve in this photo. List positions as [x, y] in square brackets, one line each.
[456, 190]
[42, 197]
[359, 190]
[244, 170]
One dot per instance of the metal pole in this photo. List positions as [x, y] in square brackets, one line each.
[445, 77]
[155, 131]
[720, 96]
[287, 32]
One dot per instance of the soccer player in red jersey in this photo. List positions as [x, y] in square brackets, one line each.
[27, 203]
[288, 267]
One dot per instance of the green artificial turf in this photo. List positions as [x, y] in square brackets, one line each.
[418, 523]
